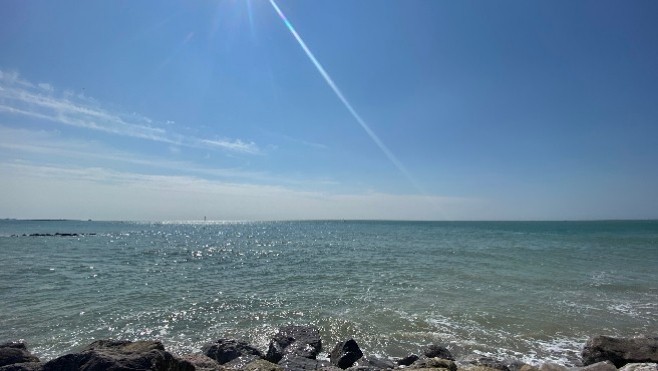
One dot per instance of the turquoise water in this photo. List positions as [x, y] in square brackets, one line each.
[529, 290]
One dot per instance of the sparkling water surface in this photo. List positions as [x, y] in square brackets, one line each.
[528, 290]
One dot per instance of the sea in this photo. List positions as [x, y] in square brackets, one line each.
[532, 291]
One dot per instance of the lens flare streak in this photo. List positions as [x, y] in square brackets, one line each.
[344, 100]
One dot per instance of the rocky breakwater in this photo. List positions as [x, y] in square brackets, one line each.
[297, 348]
[99, 356]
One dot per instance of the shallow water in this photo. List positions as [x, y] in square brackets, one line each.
[529, 290]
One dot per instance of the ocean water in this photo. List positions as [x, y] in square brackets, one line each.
[528, 290]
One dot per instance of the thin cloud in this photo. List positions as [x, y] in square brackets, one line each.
[46, 87]
[303, 142]
[56, 149]
[41, 101]
[235, 145]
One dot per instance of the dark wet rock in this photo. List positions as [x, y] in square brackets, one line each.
[117, 355]
[261, 365]
[489, 362]
[640, 367]
[345, 354]
[549, 366]
[374, 362]
[14, 345]
[202, 362]
[408, 360]
[240, 362]
[515, 364]
[27, 366]
[226, 350]
[434, 363]
[303, 341]
[15, 352]
[620, 351]
[471, 367]
[437, 351]
[293, 362]
[600, 366]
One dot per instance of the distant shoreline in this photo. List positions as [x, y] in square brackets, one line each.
[210, 221]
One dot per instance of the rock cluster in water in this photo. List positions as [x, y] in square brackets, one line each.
[296, 348]
[58, 234]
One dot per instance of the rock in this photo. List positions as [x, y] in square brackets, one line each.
[202, 362]
[27, 366]
[14, 345]
[408, 360]
[303, 341]
[437, 351]
[363, 368]
[549, 366]
[240, 362]
[116, 355]
[471, 367]
[15, 352]
[489, 362]
[514, 364]
[528, 368]
[600, 366]
[374, 363]
[434, 363]
[226, 350]
[293, 362]
[640, 367]
[345, 354]
[620, 351]
[262, 365]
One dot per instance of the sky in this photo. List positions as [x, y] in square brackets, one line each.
[292, 109]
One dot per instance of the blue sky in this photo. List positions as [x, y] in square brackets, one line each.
[176, 110]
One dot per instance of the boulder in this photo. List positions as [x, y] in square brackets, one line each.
[437, 351]
[527, 367]
[15, 352]
[363, 368]
[471, 367]
[303, 341]
[240, 362]
[27, 366]
[202, 362]
[488, 362]
[640, 367]
[600, 366]
[408, 360]
[434, 363]
[345, 354]
[293, 362]
[549, 366]
[620, 351]
[374, 363]
[514, 364]
[117, 355]
[262, 365]
[226, 350]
